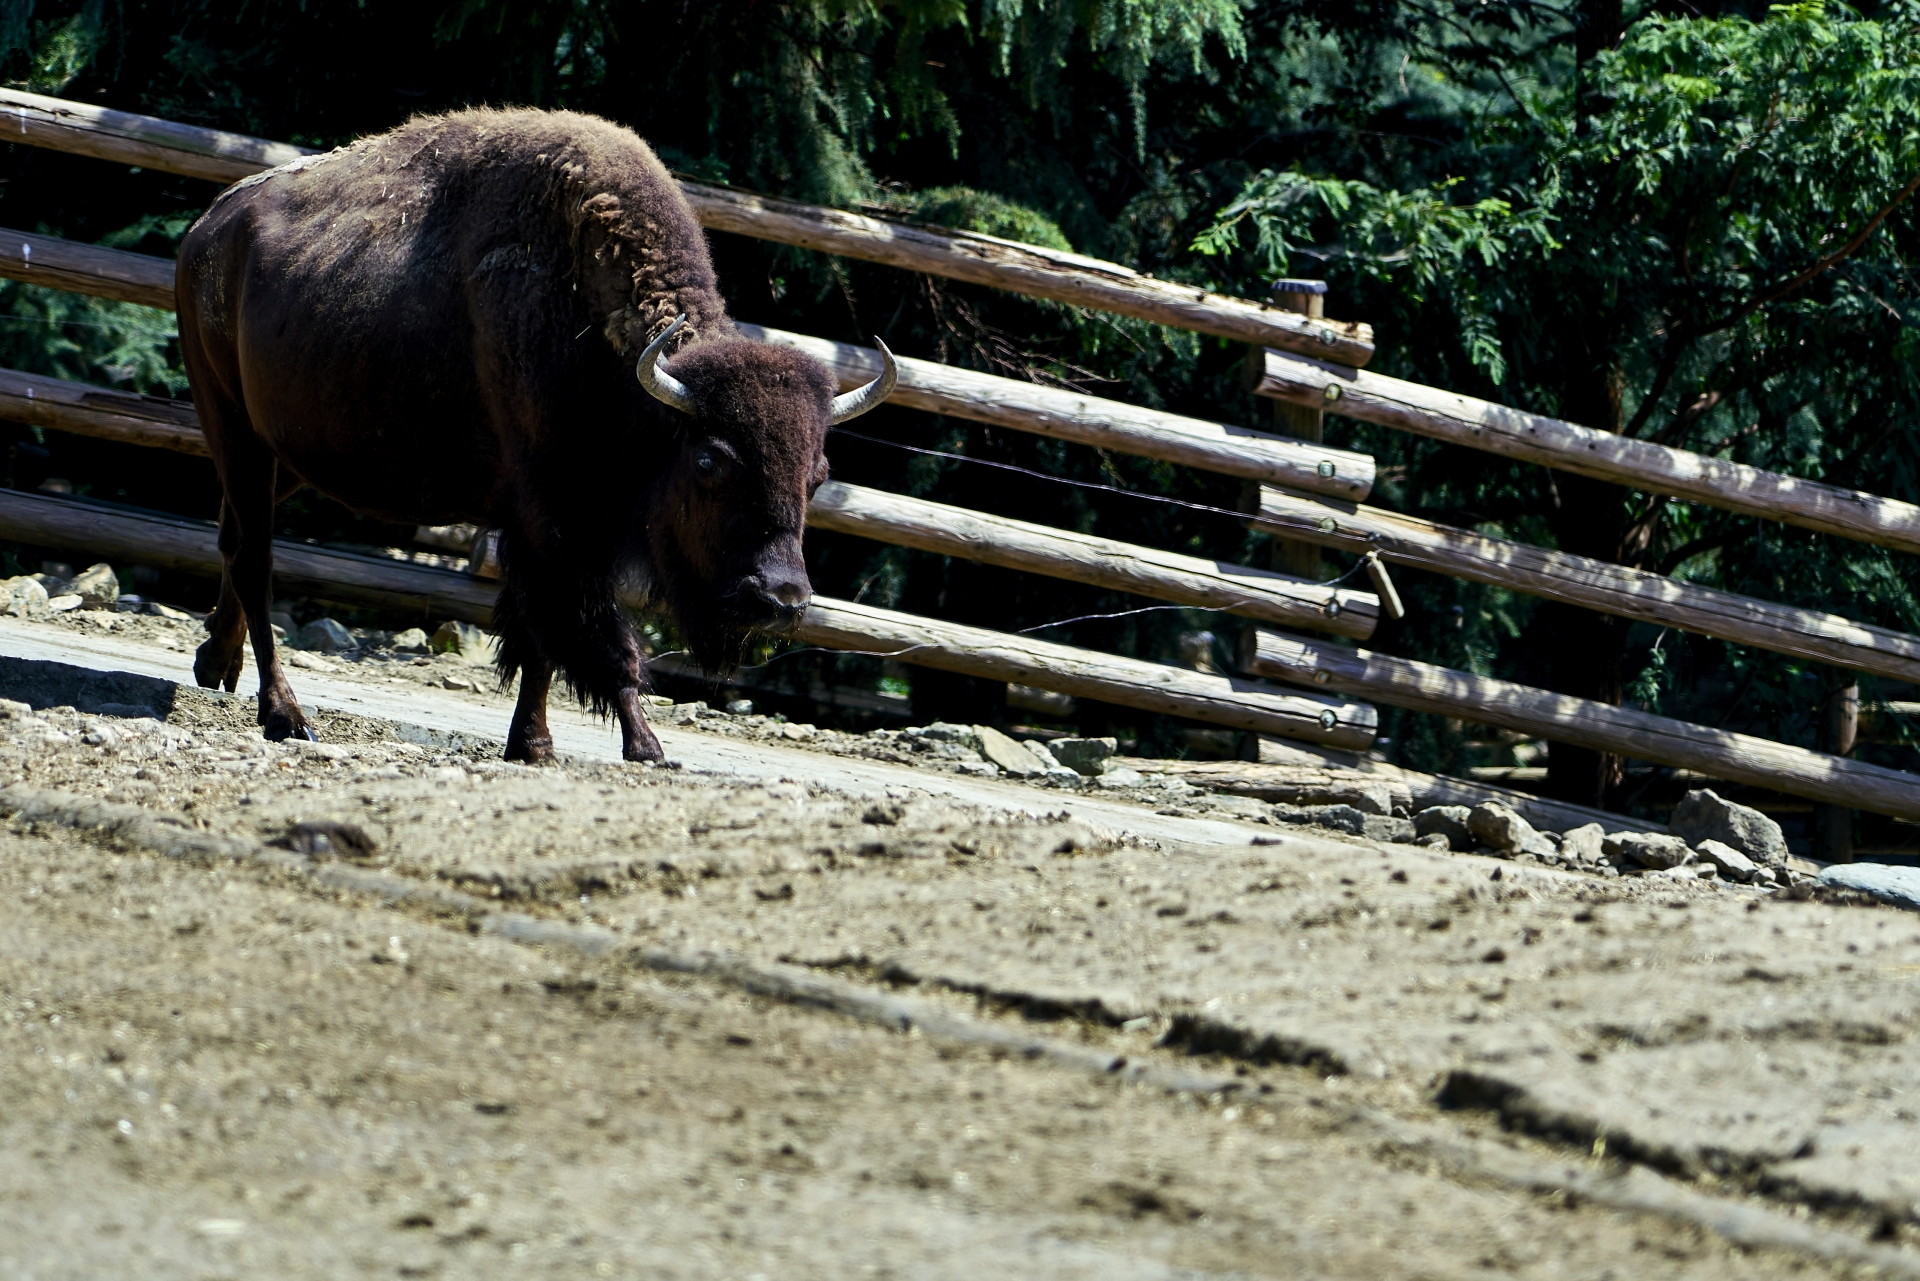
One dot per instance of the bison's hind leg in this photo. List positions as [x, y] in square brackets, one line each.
[217, 663]
[246, 545]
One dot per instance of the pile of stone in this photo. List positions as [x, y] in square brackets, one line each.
[1708, 838]
[38, 595]
[982, 749]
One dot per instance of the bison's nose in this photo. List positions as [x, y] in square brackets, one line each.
[781, 597]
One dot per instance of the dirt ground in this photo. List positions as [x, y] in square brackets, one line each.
[387, 1006]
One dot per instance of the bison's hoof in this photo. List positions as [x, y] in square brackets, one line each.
[210, 668]
[279, 727]
[530, 751]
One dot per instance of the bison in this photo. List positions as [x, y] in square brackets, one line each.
[509, 318]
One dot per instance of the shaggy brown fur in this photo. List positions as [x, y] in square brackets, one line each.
[440, 324]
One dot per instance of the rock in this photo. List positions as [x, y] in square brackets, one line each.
[63, 603]
[1434, 840]
[411, 641]
[1730, 862]
[1089, 756]
[799, 733]
[1503, 830]
[1581, 845]
[26, 597]
[1678, 872]
[455, 682]
[13, 710]
[1122, 776]
[168, 612]
[1702, 815]
[966, 736]
[1898, 886]
[1645, 849]
[325, 635]
[1448, 821]
[740, 707]
[1367, 797]
[1338, 818]
[463, 640]
[311, 662]
[1385, 827]
[1054, 769]
[97, 586]
[1007, 754]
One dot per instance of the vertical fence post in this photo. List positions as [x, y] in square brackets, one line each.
[1839, 726]
[1308, 298]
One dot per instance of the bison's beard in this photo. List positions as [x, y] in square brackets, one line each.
[714, 631]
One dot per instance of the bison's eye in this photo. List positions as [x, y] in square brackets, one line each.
[711, 465]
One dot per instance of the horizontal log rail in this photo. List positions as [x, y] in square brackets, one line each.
[1298, 785]
[1593, 584]
[1037, 272]
[1581, 722]
[1127, 682]
[125, 416]
[869, 513]
[924, 384]
[147, 142]
[190, 546]
[86, 269]
[1088, 420]
[1640, 464]
[1083, 558]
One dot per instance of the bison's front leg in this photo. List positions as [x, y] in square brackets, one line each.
[637, 741]
[528, 738]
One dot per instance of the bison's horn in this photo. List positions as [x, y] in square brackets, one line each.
[858, 401]
[660, 384]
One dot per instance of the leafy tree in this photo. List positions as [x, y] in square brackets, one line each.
[1700, 236]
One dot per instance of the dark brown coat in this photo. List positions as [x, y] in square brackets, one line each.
[441, 324]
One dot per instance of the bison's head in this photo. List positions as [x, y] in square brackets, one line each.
[751, 450]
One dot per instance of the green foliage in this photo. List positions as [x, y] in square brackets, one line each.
[981, 211]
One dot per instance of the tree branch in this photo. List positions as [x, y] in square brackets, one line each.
[1839, 255]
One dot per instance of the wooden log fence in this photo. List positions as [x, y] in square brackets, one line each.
[850, 509]
[1600, 726]
[1129, 682]
[1088, 420]
[1593, 584]
[1037, 272]
[82, 410]
[924, 384]
[170, 542]
[1083, 558]
[86, 269]
[1641, 464]
[190, 546]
